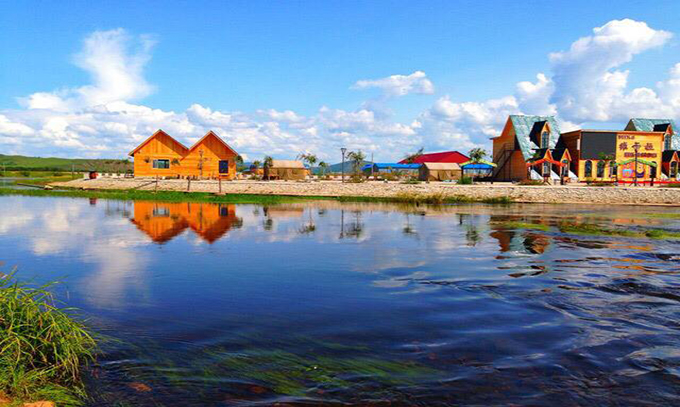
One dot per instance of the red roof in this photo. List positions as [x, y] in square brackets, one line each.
[443, 157]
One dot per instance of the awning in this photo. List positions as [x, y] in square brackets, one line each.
[480, 162]
[640, 160]
[542, 160]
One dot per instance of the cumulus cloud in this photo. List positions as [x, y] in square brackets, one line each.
[115, 61]
[399, 85]
[586, 82]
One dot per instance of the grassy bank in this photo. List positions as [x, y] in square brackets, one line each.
[175, 196]
[39, 177]
[42, 347]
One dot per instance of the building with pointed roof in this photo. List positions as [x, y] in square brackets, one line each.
[514, 150]
[441, 157]
[163, 156]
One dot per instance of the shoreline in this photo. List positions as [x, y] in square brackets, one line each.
[435, 192]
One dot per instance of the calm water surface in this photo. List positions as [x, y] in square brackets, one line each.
[331, 304]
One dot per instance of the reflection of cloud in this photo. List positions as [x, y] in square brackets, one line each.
[13, 220]
[74, 228]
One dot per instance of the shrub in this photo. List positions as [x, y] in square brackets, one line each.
[465, 181]
[42, 347]
[25, 173]
[356, 179]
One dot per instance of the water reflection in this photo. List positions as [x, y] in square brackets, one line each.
[164, 221]
[322, 303]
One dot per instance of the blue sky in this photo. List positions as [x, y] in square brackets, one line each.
[241, 58]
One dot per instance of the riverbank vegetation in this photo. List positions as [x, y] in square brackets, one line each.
[176, 196]
[42, 347]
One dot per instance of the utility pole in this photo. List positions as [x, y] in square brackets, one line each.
[372, 167]
[636, 147]
[343, 150]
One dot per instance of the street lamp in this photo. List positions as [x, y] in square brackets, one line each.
[636, 147]
[343, 150]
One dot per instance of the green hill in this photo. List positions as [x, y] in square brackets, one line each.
[21, 163]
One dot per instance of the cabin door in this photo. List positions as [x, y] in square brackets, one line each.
[224, 166]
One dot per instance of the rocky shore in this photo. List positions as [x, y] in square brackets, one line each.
[531, 194]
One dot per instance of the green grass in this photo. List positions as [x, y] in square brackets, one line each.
[662, 215]
[590, 229]
[524, 225]
[42, 347]
[174, 196]
[19, 162]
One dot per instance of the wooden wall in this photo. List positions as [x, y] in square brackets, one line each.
[161, 146]
[213, 151]
[515, 169]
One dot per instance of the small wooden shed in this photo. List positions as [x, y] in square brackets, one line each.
[440, 172]
[285, 170]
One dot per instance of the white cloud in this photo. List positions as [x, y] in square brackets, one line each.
[115, 61]
[585, 83]
[399, 85]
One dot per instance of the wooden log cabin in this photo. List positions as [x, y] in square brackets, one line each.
[163, 156]
[515, 149]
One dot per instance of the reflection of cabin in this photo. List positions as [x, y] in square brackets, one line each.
[440, 172]
[518, 143]
[163, 221]
[285, 170]
[163, 156]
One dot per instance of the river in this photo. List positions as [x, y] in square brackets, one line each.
[360, 304]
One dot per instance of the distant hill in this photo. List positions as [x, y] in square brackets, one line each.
[20, 162]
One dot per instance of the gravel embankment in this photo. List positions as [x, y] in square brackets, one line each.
[536, 194]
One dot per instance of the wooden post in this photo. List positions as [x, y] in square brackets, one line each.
[188, 184]
[219, 180]
[156, 187]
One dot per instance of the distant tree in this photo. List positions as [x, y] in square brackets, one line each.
[323, 166]
[267, 163]
[411, 158]
[356, 158]
[309, 158]
[477, 155]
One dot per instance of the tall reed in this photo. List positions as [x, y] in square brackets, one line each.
[43, 347]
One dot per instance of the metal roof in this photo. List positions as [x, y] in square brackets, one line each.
[641, 124]
[524, 124]
[393, 166]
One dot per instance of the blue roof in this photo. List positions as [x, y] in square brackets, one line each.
[392, 166]
[479, 166]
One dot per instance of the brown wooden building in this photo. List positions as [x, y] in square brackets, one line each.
[522, 138]
[163, 156]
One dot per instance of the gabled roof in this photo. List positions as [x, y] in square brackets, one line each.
[441, 157]
[523, 126]
[391, 166]
[669, 155]
[211, 133]
[662, 127]
[560, 153]
[640, 124]
[154, 135]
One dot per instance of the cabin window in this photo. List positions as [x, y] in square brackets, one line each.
[588, 169]
[161, 164]
[224, 166]
[600, 169]
[652, 172]
[546, 169]
[565, 168]
[674, 169]
[161, 211]
[612, 170]
[667, 142]
[545, 139]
